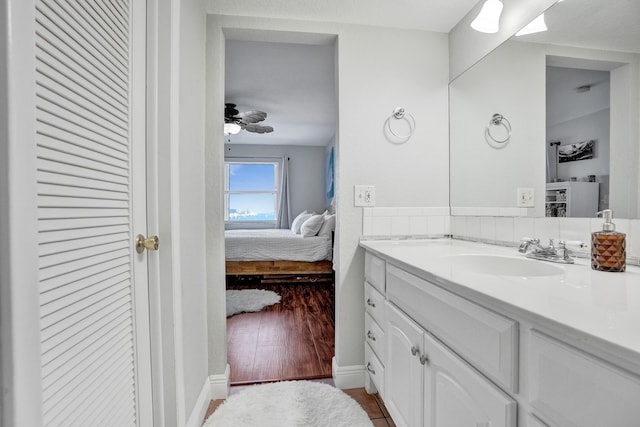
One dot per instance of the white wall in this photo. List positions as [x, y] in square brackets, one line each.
[191, 143]
[378, 70]
[306, 171]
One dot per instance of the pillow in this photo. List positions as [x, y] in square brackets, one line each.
[297, 222]
[328, 225]
[312, 225]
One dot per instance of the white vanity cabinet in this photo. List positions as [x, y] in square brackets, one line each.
[375, 334]
[464, 350]
[572, 388]
[429, 385]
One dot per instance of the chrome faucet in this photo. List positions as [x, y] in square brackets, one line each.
[560, 253]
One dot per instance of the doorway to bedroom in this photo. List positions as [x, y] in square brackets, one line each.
[280, 130]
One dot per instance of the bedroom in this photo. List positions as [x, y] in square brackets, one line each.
[271, 178]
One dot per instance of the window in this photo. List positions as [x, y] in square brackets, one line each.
[251, 190]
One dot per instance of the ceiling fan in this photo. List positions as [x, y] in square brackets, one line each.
[235, 121]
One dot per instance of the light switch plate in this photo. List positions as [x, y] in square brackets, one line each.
[364, 195]
[525, 198]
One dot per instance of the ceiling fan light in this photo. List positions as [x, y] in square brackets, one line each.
[488, 20]
[231, 128]
[536, 26]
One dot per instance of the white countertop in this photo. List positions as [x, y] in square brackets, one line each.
[596, 304]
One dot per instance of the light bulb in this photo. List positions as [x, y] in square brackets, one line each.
[488, 20]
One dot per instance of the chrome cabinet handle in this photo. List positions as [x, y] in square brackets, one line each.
[370, 336]
[424, 359]
[370, 369]
[414, 350]
[370, 303]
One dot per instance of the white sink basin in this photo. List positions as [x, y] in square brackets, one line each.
[503, 265]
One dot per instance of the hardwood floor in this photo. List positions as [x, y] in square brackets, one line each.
[293, 339]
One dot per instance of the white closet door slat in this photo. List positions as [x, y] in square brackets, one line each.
[75, 181]
[84, 360]
[51, 57]
[53, 77]
[75, 39]
[62, 351]
[81, 265]
[111, 35]
[75, 276]
[83, 116]
[109, 415]
[106, 8]
[54, 43]
[57, 190]
[84, 253]
[66, 235]
[112, 375]
[80, 171]
[62, 108]
[61, 328]
[88, 348]
[99, 36]
[50, 251]
[98, 281]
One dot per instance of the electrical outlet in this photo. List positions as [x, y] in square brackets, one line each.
[364, 195]
[525, 198]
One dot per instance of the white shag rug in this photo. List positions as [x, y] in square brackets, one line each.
[245, 300]
[290, 404]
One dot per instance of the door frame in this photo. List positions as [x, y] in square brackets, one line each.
[19, 296]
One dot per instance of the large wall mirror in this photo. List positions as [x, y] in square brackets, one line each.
[571, 96]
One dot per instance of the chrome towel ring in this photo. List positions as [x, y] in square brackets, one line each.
[399, 113]
[498, 120]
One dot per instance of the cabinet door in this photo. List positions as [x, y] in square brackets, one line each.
[455, 395]
[403, 371]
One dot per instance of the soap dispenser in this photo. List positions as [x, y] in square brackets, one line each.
[608, 247]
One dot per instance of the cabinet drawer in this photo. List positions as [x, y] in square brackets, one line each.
[374, 336]
[374, 271]
[375, 369]
[374, 303]
[571, 388]
[487, 340]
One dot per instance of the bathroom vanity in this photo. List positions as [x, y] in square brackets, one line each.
[466, 334]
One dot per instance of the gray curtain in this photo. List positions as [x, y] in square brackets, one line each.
[284, 207]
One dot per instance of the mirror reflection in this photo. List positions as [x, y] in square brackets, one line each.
[571, 95]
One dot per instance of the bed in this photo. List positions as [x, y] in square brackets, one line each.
[277, 251]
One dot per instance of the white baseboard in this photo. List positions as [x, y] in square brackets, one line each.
[348, 376]
[201, 406]
[220, 384]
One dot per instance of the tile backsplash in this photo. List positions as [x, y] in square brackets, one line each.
[498, 229]
[387, 222]
[508, 231]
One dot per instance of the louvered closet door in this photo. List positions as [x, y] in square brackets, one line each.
[90, 97]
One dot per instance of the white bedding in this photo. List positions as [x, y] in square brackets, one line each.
[275, 244]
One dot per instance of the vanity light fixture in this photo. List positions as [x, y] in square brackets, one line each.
[536, 26]
[488, 20]
[231, 128]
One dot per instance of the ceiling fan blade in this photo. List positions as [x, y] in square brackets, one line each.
[252, 116]
[251, 127]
